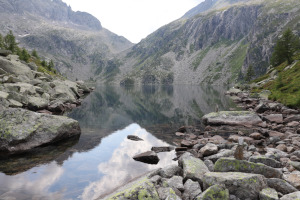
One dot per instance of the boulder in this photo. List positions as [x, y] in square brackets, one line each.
[281, 185]
[176, 182]
[268, 194]
[293, 179]
[134, 138]
[274, 118]
[193, 168]
[233, 91]
[215, 192]
[210, 165]
[23, 130]
[149, 157]
[261, 107]
[37, 103]
[209, 149]
[242, 185]
[292, 196]
[62, 92]
[233, 165]
[222, 153]
[3, 95]
[15, 104]
[170, 170]
[292, 118]
[265, 160]
[141, 188]
[191, 190]
[167, 193]
[242, 118]
[162, 149]
[15, 67]
[4, 52]
[296, 165]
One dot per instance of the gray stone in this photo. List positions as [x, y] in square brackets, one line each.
[265, 160]
[242, 185]
[134, 138]
[215, 192]
[209, 149]
[170, 170]
[274, 118]
[222, 153]
[276, 152]
[295, 164]
[22, 130]
[149, 157]
[268, 194]
[210, 165]
[281, 185]
[191, 190]
[141, 188]
[243, 118]
[292, 196]
[15, 67]
[37, 103]
[176, 182]
[3, 95]
[15, 104]
[193, 168]
[155, 179]
[4, 52]
[233, 165]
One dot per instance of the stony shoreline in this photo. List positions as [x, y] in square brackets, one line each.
[31, 105]
[250, 154]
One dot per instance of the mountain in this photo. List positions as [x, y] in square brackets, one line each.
[80, 47]
[214, 43]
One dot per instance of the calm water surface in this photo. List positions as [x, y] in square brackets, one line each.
[101, 158]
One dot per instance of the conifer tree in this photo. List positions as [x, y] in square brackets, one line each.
[1, 42]
[285, 48]
[250, 73]
[10, 42]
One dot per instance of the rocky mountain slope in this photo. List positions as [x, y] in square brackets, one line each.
[80, 47]
[214, 43]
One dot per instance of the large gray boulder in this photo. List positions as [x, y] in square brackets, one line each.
[63, 92]
[243, 118]
[242, 185]
[193, 168]
[37, 103]
[141, 188]
[13, 66]
[215, 192]
[234, 165]
[265, 160]
[22, 130]
[281, 185]
[191, 190]
[292, 196]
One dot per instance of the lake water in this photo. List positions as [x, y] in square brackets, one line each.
[100, 159]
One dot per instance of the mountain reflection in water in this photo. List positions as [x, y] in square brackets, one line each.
[101, 159]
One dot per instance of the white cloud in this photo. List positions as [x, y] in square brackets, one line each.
[134, 19]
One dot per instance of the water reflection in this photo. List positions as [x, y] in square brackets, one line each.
[101, 159]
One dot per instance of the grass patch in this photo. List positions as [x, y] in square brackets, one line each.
[237, 60]
[199, 58]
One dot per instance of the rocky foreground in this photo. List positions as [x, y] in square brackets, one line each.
[241, 155]
[28, 101]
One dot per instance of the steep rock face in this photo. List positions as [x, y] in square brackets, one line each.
[75, 41]
[216, 46]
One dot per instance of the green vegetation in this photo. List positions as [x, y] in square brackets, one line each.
[250, 73]
[237, 60]
[285, 48]
[8, 42]
[199, 58]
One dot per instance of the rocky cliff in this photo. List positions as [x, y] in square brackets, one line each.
[80, 47]
[214, 43]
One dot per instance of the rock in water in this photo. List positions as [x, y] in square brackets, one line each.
[149, 157]
[134, 138]
[21, 130]
[243, 118]
[242, 185]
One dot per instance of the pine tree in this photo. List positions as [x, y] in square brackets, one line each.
[10, 42]
[35, 54]
[1, 42]
[250, 73]
[285, 48]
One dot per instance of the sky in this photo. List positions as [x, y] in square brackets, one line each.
[134, 19]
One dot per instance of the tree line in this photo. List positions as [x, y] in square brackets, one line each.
[8, 42]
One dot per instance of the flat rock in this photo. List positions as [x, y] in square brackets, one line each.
[187, 143]
[149, 157]
[22, 130]
[242, 118]
[292, 196]
[37, 103]
[265, 160]
[242, 185]
[233, 165]
[274, 118]
[281, 185]
[134, 138]
[215, 192]
[268, 194]
[222, 153]
[162, 149]
[193, 168]
[293, 179]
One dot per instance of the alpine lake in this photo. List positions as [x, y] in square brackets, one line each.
[100, 160]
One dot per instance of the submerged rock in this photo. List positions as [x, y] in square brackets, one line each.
[22, 130]
[149, 157]
[243, 118]
[134, 138]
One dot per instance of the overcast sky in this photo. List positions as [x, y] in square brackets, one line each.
[134, 19]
